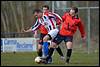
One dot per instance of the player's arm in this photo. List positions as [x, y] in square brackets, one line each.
[64, 17]
[61, 21]
[58, 18]
[34, 27]
[29, 30]
[82, 30]
[35, 34]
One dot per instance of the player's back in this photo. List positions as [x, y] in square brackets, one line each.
[50, 20]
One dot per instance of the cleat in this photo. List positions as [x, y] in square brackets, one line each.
[50, 60]
[62, 58]
[67, 63]
[43, 60]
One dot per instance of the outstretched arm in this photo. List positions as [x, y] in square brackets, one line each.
[35, 34]
[33, 28]
[29, 30]
[82, 31]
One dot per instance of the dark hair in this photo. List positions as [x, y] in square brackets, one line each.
[37, 10]
[75, 8]
[46, 6]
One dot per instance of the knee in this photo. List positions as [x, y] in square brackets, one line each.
[53, 45]
[69, 45]
[39, 47]
[45, 39]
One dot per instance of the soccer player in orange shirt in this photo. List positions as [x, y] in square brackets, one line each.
[70, 23]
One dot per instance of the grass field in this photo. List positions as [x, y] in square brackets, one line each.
[27, 59]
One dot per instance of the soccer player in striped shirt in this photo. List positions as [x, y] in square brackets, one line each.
[40, 25]
[52, 21]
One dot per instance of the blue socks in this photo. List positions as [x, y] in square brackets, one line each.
[46, 51]
[45, 48]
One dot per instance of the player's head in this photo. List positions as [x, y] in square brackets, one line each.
[73, 11]
[45, 8]
[37, 13]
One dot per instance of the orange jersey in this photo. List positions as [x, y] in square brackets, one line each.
[43, 30]
[70, 25]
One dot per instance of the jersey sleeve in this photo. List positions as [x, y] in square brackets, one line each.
[36, 25]
[58, 18]
[63, 17]
[81, 29]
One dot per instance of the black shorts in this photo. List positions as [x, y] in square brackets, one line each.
[41, 38]
[59, 38]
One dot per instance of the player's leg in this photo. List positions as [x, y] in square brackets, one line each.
[69, 46]
[51, 50]
[39, 51]
[46, 45]
[53, 45]
[50, 59]
[54, 34]
[69, 51]
[60, 52]
[49, 36]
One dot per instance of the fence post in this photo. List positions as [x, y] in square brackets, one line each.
[88, 39]
[52, 6]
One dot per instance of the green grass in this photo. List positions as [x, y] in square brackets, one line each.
[27, 59]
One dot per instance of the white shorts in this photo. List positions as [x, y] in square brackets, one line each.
[53, 33]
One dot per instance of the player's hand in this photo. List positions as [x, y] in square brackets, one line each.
[84, 39]
[35, 34]
[23, 30]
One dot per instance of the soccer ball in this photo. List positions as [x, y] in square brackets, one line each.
[38, 60]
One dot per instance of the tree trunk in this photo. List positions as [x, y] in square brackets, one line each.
[4, 23]
[15, 18]
[7, 22]
[21, 12]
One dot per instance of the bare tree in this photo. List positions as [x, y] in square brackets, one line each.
[6, 20]
[22, 20]
[3, 21]
[15, 17]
